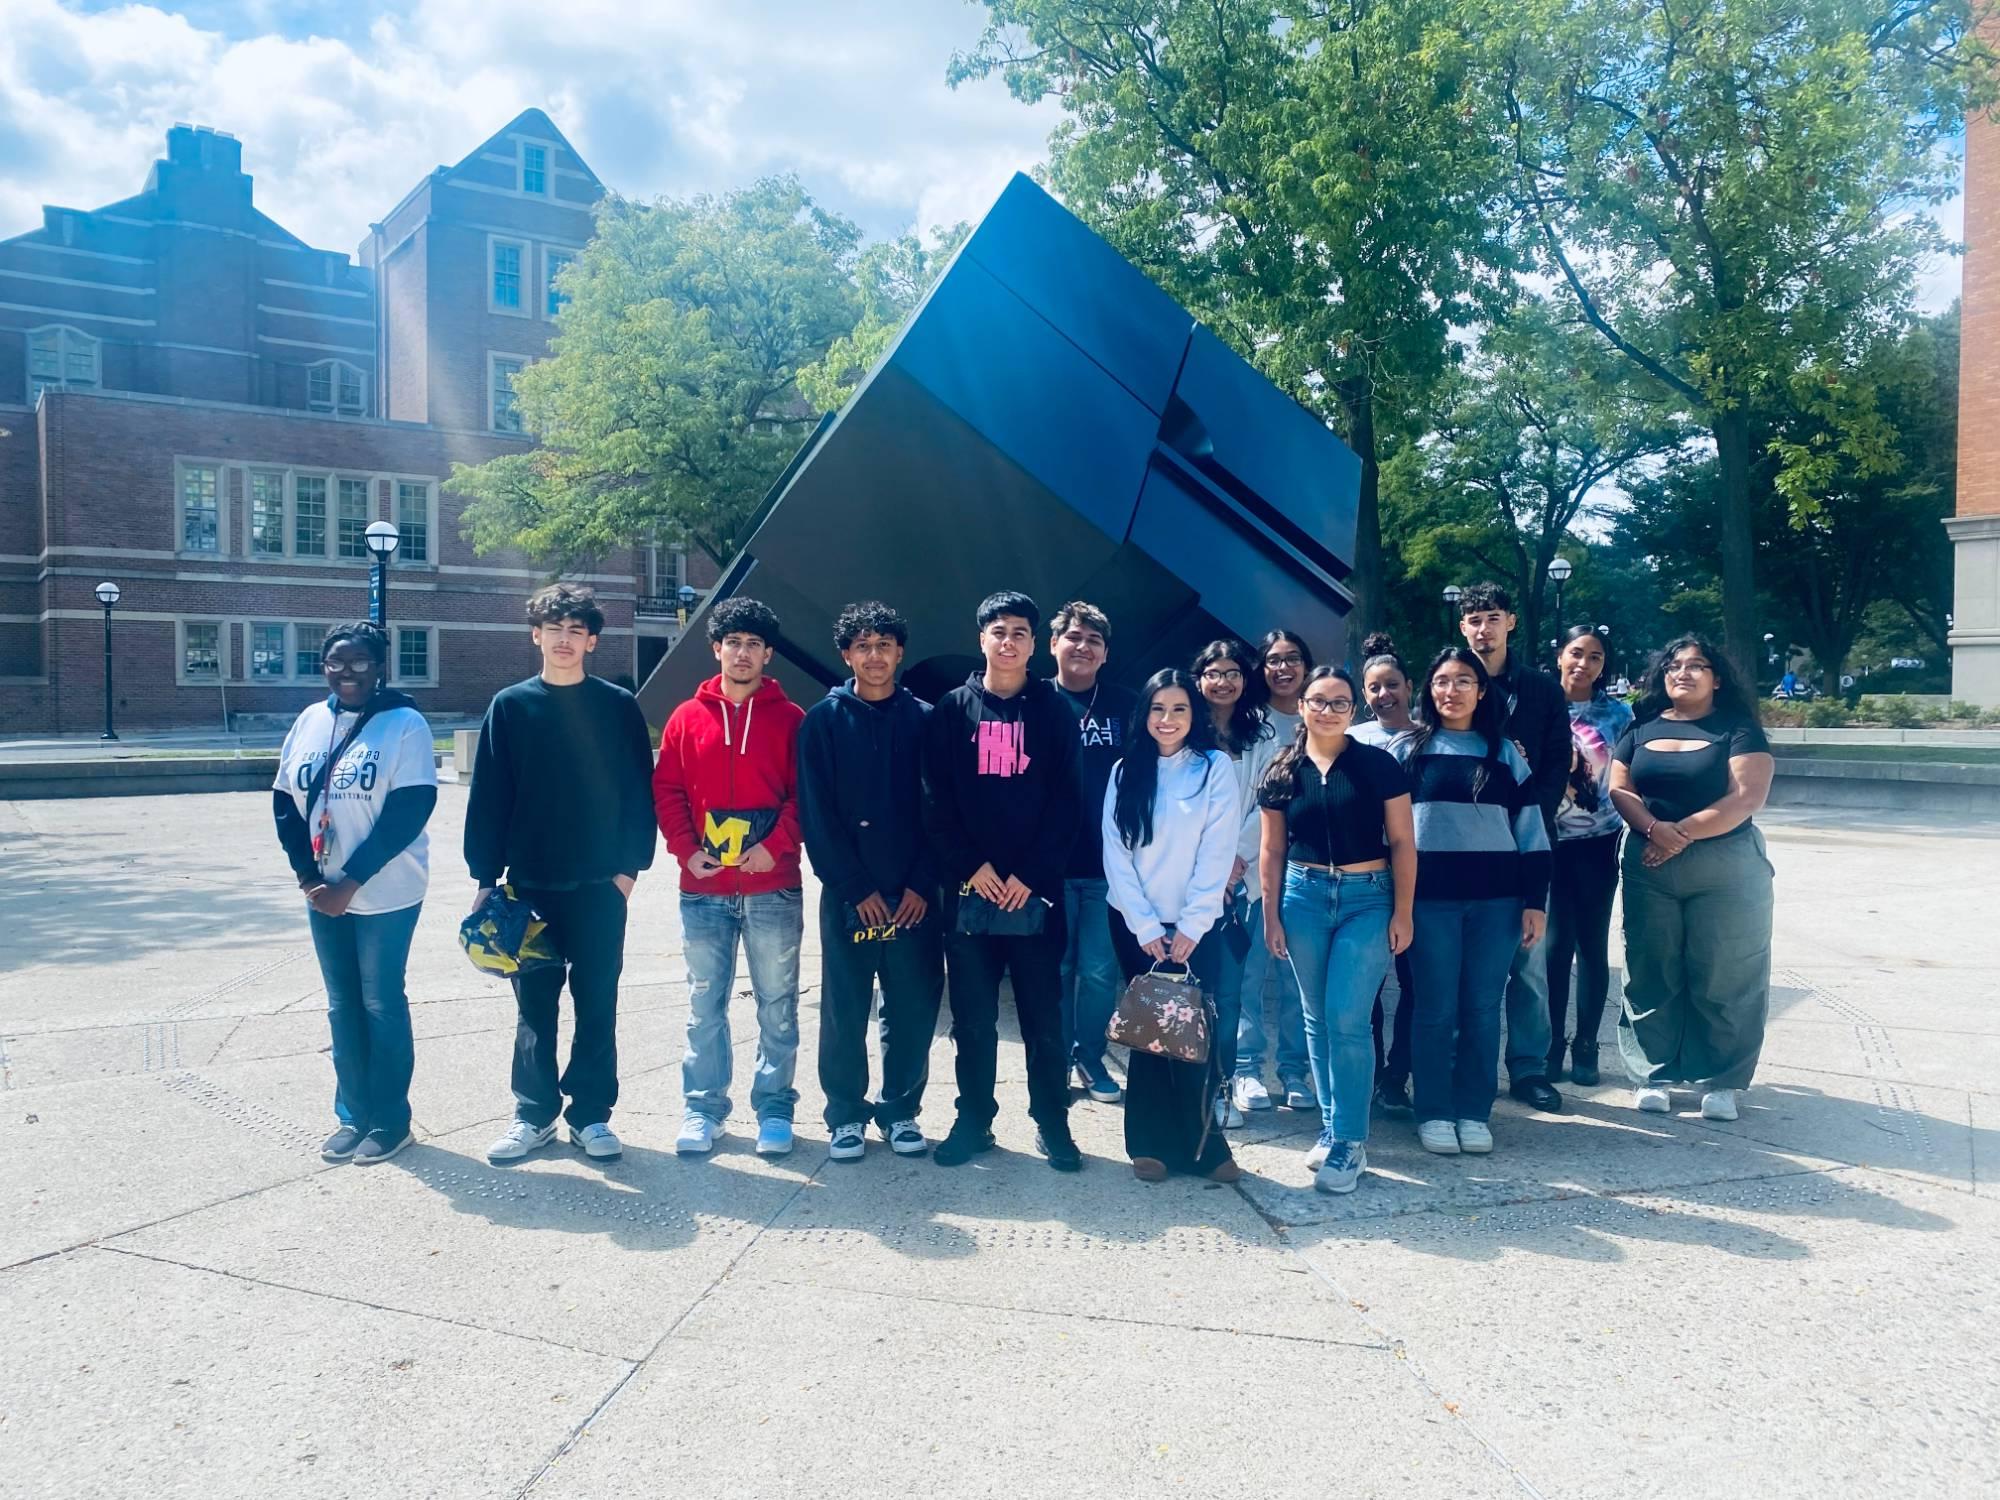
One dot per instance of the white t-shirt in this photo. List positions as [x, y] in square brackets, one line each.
[394, 749]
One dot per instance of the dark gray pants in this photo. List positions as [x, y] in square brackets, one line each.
[1697, 962]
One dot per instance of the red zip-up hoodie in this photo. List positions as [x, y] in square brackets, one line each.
[727, 779]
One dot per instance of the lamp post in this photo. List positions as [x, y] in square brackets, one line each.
[107, 595]
[1560, 569]
[685, 597]
[1452, 594]
[383, 538]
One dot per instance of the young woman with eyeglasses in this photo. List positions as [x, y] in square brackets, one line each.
[357, 780]
[1339, 864]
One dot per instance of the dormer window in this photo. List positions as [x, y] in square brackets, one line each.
[333, 385]
[63, 358]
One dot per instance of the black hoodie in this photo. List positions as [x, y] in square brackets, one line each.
[861, 795]
[1001, 785]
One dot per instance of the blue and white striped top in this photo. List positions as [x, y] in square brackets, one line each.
[1479, 837]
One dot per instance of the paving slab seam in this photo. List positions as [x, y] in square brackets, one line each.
[385, 1307]
[618, 1386]
[1909, 1083]
[187, 1007]
[1374, 1347]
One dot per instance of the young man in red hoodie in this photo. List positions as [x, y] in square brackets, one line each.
[726, 793]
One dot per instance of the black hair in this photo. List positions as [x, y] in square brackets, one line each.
[1281, 777]
[1731, 697]
[1077, 612]
[566, 601]
[364, 633]
[1482, 597]
[869, 617]
[1577, 633]
[1377, 650]
[1009, 602]
[1138, 774]
[1274, 637]
[1247, 723]
[1486, 718]
[741, 616]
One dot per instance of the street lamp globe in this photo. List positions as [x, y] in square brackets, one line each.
[687, 596]
[1560, 569]
[383, 539]
[108, 593]
[1605, 631]
[1453, 593]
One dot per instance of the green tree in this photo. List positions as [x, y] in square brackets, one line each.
[1726, 188]
[669, 401]
[1315, 181]
[891, 278]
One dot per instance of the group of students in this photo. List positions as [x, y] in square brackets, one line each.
[1429, 871]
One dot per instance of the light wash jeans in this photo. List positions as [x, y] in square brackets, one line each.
[1337, 930]
[770, 925]
[1293, 1063]
[1091, 981]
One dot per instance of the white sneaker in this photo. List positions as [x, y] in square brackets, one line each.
[906, 1138]
[698, 1135]
[1316, 1158]
[597, 1141]
[1249, 1093]
[1440, 1136]
[1719, 1104]
[1227, 1115]
[1654, 1099]
[850, 1142]
[520, 1139]
[1473, 1136]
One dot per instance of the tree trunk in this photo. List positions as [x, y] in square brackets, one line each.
[1739, 586]
[1371, 604]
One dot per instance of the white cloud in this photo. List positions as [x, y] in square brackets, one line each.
[671, 97]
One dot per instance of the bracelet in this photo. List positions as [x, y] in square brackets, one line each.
[1648, 834]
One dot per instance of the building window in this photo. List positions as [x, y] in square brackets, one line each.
[61, 356]
[268, 657]
[557, 262]
[201, 509]
[306, 641]
[509, 256]
[267, 513]
[309, 515]
[334, 385]
[413, 520]
[413, 655]
[535, 169]
[504, 415]
[351, 533]
[201, 650]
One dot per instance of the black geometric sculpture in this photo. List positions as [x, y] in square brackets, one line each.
[1049, 421]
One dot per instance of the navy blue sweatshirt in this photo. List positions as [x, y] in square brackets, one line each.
[861, 795]
[1001, 784]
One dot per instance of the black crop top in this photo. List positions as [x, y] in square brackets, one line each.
[1677, 784]
[1337, 819]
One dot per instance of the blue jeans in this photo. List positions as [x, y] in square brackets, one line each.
[1460, 960]
[1337, 929]
[1091, 981]
[1257, 970]
[770, 925]
[1529, 1032]
[362, 960]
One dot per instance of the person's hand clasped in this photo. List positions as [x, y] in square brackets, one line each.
[1155, 950]
[1667, 838]
[987, 882]
[757, 860]
[1014, 895]
[1180, 949]
[872, 909]
[332, 900]
[701, 864]
[911, 910]
[1533, 925]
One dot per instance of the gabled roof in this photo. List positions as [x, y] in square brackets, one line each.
[528, 122]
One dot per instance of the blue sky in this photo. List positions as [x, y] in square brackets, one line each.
[342, 107]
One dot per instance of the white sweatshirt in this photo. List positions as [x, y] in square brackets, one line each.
[1179, 878]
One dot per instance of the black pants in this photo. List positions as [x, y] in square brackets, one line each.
[974, 967]
[911, 969]
[1581, 885]
[588, 925]
[1169, 1103]
[1393, 1069]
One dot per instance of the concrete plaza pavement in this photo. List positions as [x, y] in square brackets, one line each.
[1796, 1303]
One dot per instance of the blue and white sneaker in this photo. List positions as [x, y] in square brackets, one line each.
[1095, 1080]
[698, 1135]
[1342, 1168]
[850, 1142]
[597, 1142]
[1316, 1157]
[774, 1137]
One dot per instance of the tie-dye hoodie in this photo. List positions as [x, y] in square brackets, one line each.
[1586, 811]
[1001, 784]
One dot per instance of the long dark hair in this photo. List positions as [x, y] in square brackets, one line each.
[1731, 697]
[1577, 633]
[1247, 723]
[1281, 777]
[1486, 718]
[1289, 638]
[1138, 774]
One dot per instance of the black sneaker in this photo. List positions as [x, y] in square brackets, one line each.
[962, 1144]
[1540, 1093]
[379, 1146]
[1059, 1146]
[1583, 1065]
[1392, 1096]
[340, 1145]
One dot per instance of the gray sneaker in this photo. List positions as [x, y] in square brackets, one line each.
[520, 1139]
[597, 1142]
[1342, 1169]
[340, 1145]
[378, 1146]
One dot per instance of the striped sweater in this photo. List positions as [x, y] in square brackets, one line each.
[1475, 845]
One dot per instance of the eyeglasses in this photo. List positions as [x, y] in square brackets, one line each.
[1285, 661]
[348, 667]
[1329, 705]
[1222, 674]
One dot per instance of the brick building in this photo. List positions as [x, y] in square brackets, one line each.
[1975, 529]
[200, 406]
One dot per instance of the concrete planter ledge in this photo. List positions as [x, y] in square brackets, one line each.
[1958, 739]
[148, 776]
[1803, 782]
